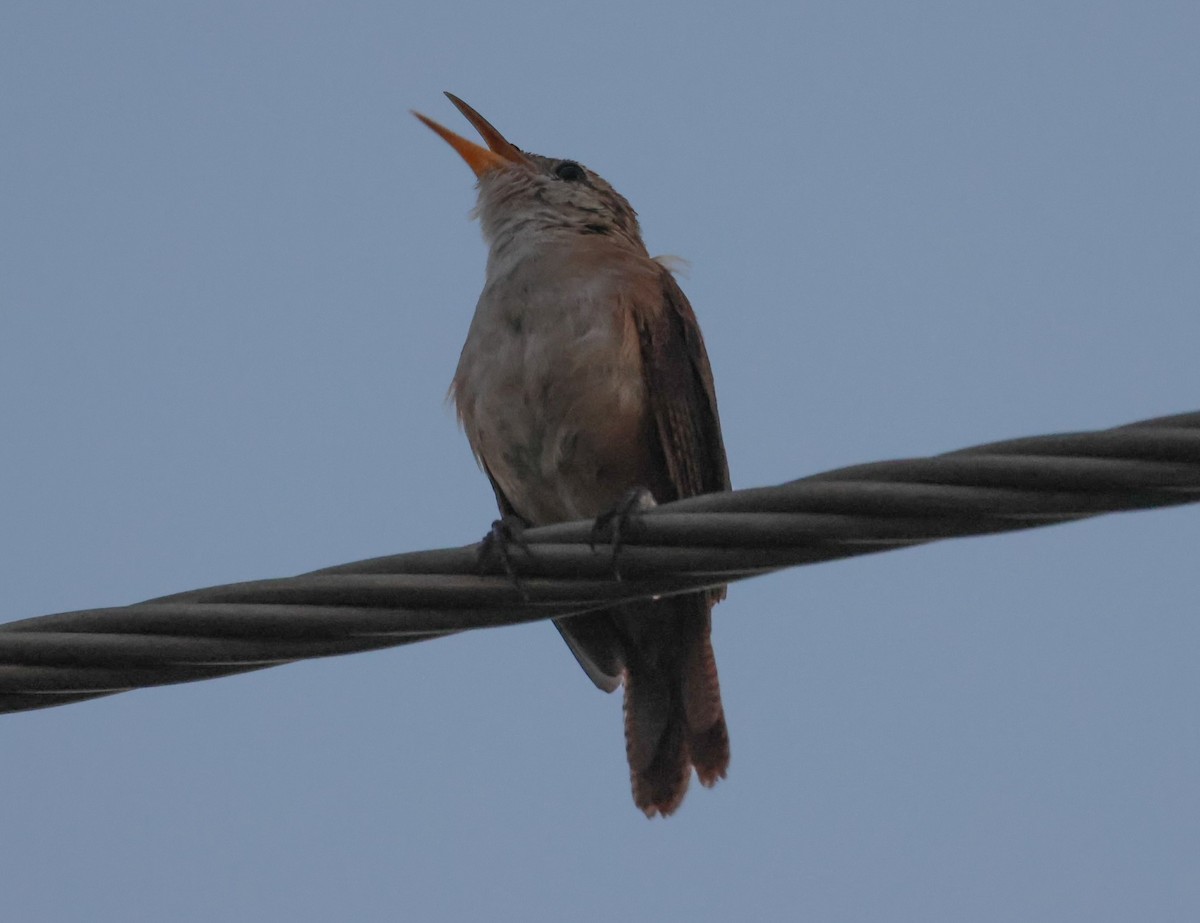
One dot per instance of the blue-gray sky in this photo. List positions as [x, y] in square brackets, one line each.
[234, 278]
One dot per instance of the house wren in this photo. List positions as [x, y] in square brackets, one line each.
[584, 376]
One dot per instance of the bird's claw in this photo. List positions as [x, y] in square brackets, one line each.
[497, 546]
[620, 521]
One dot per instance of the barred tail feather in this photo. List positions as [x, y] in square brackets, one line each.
[708, 735]
[674, 721]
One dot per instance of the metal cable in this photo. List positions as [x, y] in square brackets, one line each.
[699, 542]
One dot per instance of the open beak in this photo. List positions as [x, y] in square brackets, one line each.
[498, 154]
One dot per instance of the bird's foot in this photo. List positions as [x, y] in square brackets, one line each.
[621, 521]
[497, 545]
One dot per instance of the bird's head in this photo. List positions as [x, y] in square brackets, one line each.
[525, 194]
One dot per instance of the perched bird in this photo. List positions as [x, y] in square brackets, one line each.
[584, 378]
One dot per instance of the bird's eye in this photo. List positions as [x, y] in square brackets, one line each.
[570, 171]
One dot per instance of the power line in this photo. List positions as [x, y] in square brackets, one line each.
[701, 541]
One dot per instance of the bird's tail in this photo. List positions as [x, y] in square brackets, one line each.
[674, 719]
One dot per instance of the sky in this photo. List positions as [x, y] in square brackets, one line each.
[235, 275]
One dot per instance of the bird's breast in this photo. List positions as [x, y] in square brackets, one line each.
[550, 389]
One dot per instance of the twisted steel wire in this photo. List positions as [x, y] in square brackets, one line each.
[693, 543]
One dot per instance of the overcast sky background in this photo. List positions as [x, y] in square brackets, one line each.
[235, 275]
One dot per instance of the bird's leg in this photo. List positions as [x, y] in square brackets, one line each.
[620, 521]
[497, 544]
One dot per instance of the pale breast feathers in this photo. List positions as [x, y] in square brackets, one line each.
[550, 389]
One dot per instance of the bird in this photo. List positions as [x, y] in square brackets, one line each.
[585, 391]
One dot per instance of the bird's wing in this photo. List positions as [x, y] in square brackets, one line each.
[683, 401]
[689, 453]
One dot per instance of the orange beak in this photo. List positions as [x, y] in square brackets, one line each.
[498, 154]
